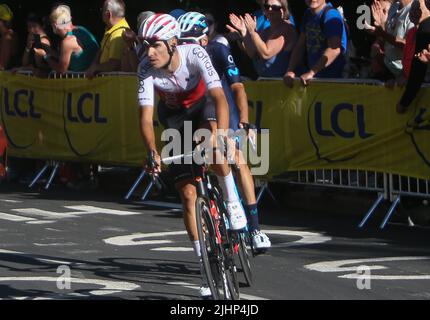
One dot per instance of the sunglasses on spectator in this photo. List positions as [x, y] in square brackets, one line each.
[274, 7]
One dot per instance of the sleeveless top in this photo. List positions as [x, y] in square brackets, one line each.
[276, 67]
[81, 61]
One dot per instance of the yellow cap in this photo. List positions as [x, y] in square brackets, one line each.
[5, 13]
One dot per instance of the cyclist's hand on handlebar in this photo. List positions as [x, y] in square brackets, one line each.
[251, 131]
[153, 163]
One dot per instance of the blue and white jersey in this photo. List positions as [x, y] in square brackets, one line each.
[225, 66]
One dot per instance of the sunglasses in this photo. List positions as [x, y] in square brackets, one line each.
[274, 7]
[147, 43]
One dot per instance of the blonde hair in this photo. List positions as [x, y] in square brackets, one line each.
[61, 16]
[287, 14]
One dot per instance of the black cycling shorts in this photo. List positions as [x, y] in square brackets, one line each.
[199, 114]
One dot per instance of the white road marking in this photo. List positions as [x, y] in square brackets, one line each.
[167, 205]
[41, 222]
[57, 262]
[398, 278]
[34, 215]
[15, 218]
[67, 244]
[174, 249]
[135, 239]
[97, 210]
[338, 265]
[41, 213]
[10, 201]
[307, 238]
[343, 266]
[109, 287]
[191, 286]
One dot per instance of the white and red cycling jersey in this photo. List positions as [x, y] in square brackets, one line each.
[186, 86]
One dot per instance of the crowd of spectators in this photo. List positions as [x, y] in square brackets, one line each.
[316, 45]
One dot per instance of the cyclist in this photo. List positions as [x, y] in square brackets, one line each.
[195, 29]
[190, 90]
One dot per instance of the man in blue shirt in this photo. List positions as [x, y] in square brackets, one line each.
[323, 41]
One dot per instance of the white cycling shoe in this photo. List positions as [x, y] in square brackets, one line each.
[205, 291]
[260, 241]
[237, 216]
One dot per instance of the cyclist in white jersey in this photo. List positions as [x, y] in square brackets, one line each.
[190, 90]
[195, 29]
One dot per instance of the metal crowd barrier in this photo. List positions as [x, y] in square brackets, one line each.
[402, 186]
[387, 186]
[361, 180]
[52, 167]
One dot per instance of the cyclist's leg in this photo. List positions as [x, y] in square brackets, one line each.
[184, 183]
[187, 191]
[226, 179]
[246, 182]
[188, 194]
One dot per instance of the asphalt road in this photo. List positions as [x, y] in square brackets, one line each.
[127, 250]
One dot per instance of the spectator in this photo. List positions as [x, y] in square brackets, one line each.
[418, 13]
[36, 39]
[323, 40]
[263, 22]
[134, 51]
[113, 44]
[78, 46]
[424, 56]
[8, 39]
[418, 68]
[213, 30]
[380, 9]
[271, 48]
[393, 28]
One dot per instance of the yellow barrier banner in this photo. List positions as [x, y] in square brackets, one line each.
[323, 126]
[343, 126]
[72, 119]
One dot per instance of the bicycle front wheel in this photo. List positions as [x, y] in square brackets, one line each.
[244, 258]
[209, 247]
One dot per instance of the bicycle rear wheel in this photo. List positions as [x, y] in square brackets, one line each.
[209, 247]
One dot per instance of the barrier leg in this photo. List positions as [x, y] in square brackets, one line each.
[148, 190]
[261, 193]
[271, 194]
[371, 211]
[390, 212]
[265, 188]
[411, 222]
[53, 174]
[135, 185]
[38, 176]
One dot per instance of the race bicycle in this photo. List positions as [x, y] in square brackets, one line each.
[215, 235]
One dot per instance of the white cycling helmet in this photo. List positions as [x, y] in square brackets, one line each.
[160, 27]
[194, 26]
